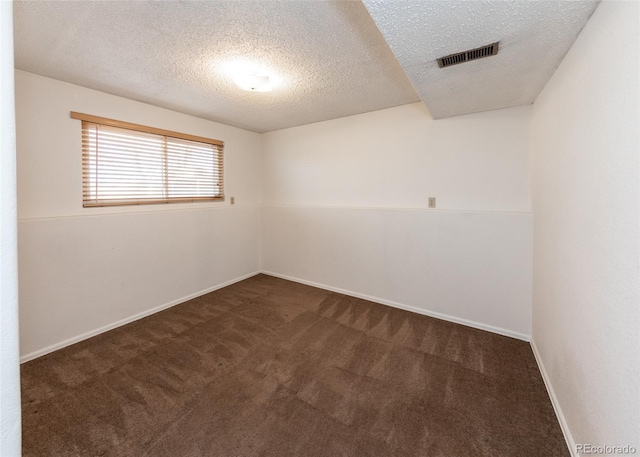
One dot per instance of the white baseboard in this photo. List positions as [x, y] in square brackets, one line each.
[135, 317]
[554, 401]
[106, 328]
[413, 309]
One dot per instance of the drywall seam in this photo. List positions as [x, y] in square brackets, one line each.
[135, 317]
[120, 213]
[390, 208]
[554, 401]
[413, 309]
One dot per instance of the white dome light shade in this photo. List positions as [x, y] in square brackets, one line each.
[254, 83]
[249, 75]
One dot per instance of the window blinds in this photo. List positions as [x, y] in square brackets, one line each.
[143, 165]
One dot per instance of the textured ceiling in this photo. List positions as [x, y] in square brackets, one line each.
[534, 36]
[328, 58]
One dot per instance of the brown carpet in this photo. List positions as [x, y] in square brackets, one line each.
[268, 367]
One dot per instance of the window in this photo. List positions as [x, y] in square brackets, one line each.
[130, 164]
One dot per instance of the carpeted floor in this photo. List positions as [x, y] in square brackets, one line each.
[268, 367]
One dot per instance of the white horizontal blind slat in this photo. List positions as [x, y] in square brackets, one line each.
[123, 167]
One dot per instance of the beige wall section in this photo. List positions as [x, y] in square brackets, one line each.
[49, 147]
[399, 157]
[345, 208]
[83, 270]
[586, 196]
[468, 267]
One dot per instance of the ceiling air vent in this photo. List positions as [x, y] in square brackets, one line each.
[466, 56]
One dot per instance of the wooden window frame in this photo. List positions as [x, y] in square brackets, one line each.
[155, 131]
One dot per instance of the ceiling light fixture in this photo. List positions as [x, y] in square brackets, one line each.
[254, 83]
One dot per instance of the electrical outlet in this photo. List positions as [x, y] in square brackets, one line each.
[432, 202]
[232, 200]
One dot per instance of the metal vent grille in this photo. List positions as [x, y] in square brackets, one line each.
[466, 56]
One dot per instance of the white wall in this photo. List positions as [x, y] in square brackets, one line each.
[345, 208]
[83, 270]
[399, 157]
[586, 194]
[10, 434]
